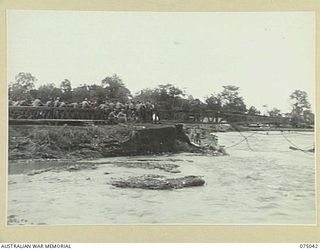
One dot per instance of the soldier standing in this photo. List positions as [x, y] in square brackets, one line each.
[56, 103]
[49, 103]
[85, 104]
[112, 118]
[122, 117]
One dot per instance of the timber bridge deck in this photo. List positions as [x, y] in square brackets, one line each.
[48, 115]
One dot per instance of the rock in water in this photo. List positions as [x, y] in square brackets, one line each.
[159, 182]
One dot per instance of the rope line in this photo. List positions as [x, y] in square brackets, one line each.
[245, 138]
[293, 144]
[233, 145]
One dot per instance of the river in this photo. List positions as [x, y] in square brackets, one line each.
[259, 182]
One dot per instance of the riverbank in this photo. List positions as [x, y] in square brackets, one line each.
[82, 142]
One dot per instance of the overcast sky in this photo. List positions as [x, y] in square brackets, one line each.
[268, 55]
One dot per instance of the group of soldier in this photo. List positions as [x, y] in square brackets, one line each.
[114, 111]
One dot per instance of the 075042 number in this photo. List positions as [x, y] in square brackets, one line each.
[308, 245]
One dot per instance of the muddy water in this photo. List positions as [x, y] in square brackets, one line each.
[262, 182]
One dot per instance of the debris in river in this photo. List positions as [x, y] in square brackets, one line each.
[81, 166]
[159, 182]
[169, 159]
[14, 220]
[311, 150]
[39, 171]
[73, 168]
[167, 167]
[174, 171]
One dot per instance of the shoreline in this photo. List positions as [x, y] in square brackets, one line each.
[91, 142]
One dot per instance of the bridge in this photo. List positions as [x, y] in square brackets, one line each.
[18, 114]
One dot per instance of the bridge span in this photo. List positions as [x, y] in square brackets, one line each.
[21, 114]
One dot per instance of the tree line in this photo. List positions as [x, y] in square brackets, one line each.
[166, 97]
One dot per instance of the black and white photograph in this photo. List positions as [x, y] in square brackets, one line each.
[160, 118]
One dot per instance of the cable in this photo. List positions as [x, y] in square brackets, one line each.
[258, 132]
[245, 138]
[293, 144]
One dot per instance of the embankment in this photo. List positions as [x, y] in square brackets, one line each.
[73, 142]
